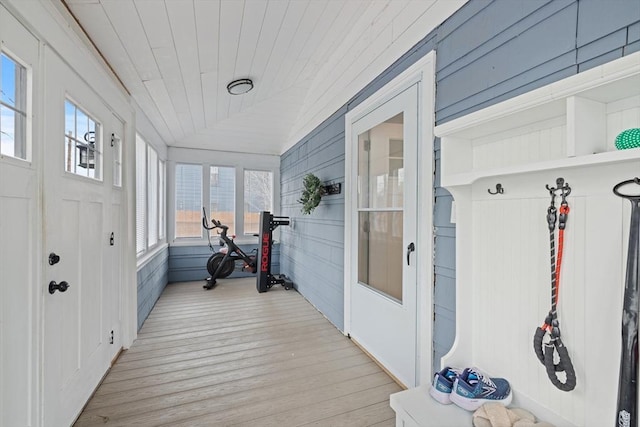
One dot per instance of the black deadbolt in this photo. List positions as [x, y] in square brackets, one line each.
[62, 286]
[53, 258]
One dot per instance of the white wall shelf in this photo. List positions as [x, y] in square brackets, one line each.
[609, 157]
[565, 129]
[569, 123]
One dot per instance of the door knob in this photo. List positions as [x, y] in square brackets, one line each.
[62, 286]
[410, 249]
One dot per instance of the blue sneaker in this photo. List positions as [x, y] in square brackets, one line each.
[442, 385]
[472, 389]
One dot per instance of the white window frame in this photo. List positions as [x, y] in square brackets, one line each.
[141, 164]
[28, 98]
[204, 172]
[244, 174]
[232, 229]
[74, 143]
[159, 208]
[211, 158]
[116, 143]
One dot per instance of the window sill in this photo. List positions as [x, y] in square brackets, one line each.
[240, 240]
[142, 260]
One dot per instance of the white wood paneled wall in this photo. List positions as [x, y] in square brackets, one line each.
[511, 291]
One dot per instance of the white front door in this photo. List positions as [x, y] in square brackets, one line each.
[19, 225]
[384, 234]
[80, 213]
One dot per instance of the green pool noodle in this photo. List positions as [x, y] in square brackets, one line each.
[629, 138]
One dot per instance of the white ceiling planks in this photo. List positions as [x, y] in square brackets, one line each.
[296, 50]
[102, 28]
[209, 83]
[231, 14]
[153, 15]
[126, 23]
[306, 58]
[374, 45]
[314, 42]
[295, 12]
[158, 92]
[183, 28]
[274, 16]
[167, 60]
[252, 22]
[338, 30]
[207, 15]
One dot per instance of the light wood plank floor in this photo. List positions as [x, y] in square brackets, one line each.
[232, 356]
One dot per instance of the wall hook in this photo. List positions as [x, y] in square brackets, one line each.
[499, 189]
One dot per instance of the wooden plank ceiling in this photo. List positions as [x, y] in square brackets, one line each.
[177, 56]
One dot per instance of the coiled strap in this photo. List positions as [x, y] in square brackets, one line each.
[545, 354]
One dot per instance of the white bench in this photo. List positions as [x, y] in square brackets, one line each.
[416, 408]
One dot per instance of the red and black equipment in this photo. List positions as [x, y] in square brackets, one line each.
[266, 280]
[547, 343]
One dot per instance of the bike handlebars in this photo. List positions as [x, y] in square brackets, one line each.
[216, 224]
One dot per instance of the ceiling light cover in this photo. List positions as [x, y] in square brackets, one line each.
[240, 86]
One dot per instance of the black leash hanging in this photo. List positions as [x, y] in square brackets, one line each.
[545, 351]
[627, 409]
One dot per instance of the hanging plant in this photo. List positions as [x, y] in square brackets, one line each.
[312, 192]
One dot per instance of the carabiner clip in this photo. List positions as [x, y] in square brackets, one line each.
[551, 217]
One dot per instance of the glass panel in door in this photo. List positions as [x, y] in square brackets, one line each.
[380, 207]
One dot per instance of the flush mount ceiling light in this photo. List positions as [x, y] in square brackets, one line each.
[240, 86]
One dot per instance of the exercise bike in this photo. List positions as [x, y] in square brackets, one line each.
[222, 263]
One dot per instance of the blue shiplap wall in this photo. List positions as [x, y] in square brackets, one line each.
[487, 52]
[152, 277]
[312, 248]
[188, 263]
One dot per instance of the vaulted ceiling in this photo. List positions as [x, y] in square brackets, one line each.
[305, 57]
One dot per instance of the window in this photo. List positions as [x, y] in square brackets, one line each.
[162, 208]
[13, 108]
[116, 143]
[82, 142]
[258, 197]
[222, 195]
[188, 200]
[141, 196]
[231, 194]
[150, 197]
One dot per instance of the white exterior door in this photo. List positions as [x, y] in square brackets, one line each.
[384, 234]
[81, 210]
[19, 225]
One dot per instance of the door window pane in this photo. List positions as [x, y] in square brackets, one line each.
[380, 252]
[380, 205]
[188, 201]
[82, 142]
[222, 195]
[13, 108]
[380, 165]
[258, 197]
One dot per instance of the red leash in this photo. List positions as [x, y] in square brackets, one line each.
[551, 325]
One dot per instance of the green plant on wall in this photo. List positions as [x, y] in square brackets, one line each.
[312, 192]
